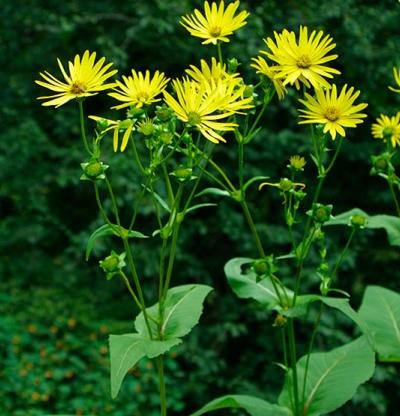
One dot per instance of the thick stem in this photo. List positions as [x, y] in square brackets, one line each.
[293, 362]
[161, 378]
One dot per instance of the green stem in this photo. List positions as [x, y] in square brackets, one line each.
[392, 191]
[221, 61]
[113, 201]
[293, 361]
[161, 378]
[135, 152]
[241, 164]
[256, 121]
[129, 287]
[252, 226]
[83, 129]
[223, 174]
[344, 252]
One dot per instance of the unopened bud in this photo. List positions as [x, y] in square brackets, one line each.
[321, 213]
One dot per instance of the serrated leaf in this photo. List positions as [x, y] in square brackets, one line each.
[333, 377]
[127, 350]
[253, 405]
[214, 191]
[108, 229]
[389, 223]
[183, 308]
[380, 309]
[246, 285]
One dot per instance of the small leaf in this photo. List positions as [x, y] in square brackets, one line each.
[108, 229]
[214, 191]
[389, 223]
[333, 377]
[254, 179]
[126, 350]
[160, 200]
[253, 405]
[183, 308]
[380, 309]
[247, 285]
[198, 206]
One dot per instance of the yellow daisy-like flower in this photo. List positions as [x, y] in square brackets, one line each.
[335, 112]
[396, 76]
[387, 128]
[86, 77]
[262, 67]
[217, 23]
[297, 162]
[117, 126]
[302, 60]
[216, 81]
[139, 89]
[196, 107]
[212, 73]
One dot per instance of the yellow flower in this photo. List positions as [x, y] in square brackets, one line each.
[334, 111]
[200, 109]
[396, 76]
[216, 81]
[302, 60]
[216, 24]
[139, 89]
[387, 128]
[262, 67]
[86, 77]
[297, 162]
[117, 126]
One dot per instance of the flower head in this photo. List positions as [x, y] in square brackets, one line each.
[116, 126]
[297, 162]
[387, 128]
[303, 59]
[86, 77]
[335, 112]
[139, 89]
[262, 67]
[227, 88]
[199, 108]
[217, 22]
[396, 76]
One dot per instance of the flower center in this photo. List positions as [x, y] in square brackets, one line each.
[77, 88]
[304, 61]
[194, 118]
[387, 132]
[215, 31]
[332, 113]
[143, 96]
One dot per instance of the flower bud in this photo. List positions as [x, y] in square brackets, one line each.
[182, 173]
[321, 213]
[112, 264]
[285, 184]
[380, 163]
[166, 137]
[146, 127]
[280, 320]
[264, 266]
[358, 221]
[248, 91]
[101, 124]
[233, 65]
[93, 170]
[164, 113]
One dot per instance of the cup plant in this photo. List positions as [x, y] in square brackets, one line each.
[170, 129]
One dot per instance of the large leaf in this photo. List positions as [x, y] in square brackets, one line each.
[126, 350]
[246, 284]
[183, 308]
[380, 309]
[389, 223]
[253, 405]
[333, 377]
[108, 229]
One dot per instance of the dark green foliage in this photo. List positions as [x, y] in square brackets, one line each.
[47, 214]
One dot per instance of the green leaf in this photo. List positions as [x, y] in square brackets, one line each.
[333, 377]
[254, 179]
[198, 206]
[245, 283]
[380, 309]
[389, 223]
[126, 350]
[112, 229]
[160, 200]
[214, 191]
[253, 405]
[183, 308]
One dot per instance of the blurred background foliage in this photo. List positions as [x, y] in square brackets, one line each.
[56, 310]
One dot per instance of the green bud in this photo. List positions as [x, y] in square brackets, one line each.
[146, 127]
[285, 184]
[280, 320]
[101, 124]
[166, 137]
[248, 91]
[233, 65]
[182, 173]
[264, 266]
[164, 113]
[93, 170]
[299, 195]
[187, 138]
[358, 221]
[112, 264]
[380, 163]
[321, 213]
